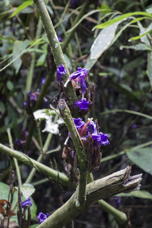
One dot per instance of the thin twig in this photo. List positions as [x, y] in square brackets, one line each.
[18, 173]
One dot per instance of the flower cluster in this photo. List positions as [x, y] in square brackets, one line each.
[92, 139]
[89, 130]
[78, 79]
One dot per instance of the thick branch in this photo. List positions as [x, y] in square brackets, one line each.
[81, 155]
[103, 188]
[51, 173]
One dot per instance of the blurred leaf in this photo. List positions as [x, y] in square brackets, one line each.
[149, 67]
[122, 17]
[41, 60]
[38, 41]
[2, 107]
[142, 158]
[27, 190]
[127, 111]
[104, 8]
[144, 39]
[10, 85]
[138, 47]
[22, 7]
[139, 194]
[18, 49]
[68, 62]
[103, 41]
[140, 36]
[4, 192]
[149, 10]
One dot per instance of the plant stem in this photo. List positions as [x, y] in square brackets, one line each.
[51, 173]
[44, 180]
[80, 151]
[31, 70]
[41, 156]
[19, 179]
[120, 216]
[55, 44]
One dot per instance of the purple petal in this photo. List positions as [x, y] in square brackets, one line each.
[83, 84]
[101, 139]
[26, 203]
[81, 72]
[41, 217]
[78, 122]
[92, 127]
[82, 104]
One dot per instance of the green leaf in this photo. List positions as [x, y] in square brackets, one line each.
[2, 107]
[27, 190]
[144, 39]
[139, 194]
[18, 49]
[122, 17]
[149, 67]
[4, 192]
[104, 8]
[10, 85]
[137, 47]
[103, 41]
[22, 7]
[140, 36]
[142, 158]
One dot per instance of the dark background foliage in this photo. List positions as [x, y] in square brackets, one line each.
[120, 81]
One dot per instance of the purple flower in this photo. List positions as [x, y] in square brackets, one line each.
[60, 38]
[82, 104]
[43, 80]
[101, 139]
[81, 72]
[134, 126]
[92, 127]
[79, 78]
[26, 203]
[33, 96]
[41, 217]
[78, 122]
[82, 84]
[61, 71]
